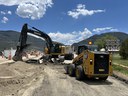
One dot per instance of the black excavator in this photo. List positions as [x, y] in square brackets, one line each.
[52, 50]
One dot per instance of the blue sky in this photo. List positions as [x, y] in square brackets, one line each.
[66, 21]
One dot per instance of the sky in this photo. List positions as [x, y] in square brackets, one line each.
[65, 21]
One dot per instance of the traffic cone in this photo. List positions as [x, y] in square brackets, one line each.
[9, 57]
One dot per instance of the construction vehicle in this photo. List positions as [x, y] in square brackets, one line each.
[51, 51]
[90, 63]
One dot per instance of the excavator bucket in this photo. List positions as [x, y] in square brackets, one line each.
[17, 56]
[18, 53]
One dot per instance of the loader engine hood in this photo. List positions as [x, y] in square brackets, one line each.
[101, 63]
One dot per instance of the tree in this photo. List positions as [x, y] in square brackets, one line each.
[124, 49]
[101, 42]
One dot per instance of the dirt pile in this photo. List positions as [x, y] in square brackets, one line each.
[18, 76]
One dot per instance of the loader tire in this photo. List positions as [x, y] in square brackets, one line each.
[66, 68]
[71, 69]
[79, 72]
[69, 56]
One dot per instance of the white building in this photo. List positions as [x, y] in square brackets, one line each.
[113, 45]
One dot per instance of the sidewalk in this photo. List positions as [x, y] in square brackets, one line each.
[4, 60]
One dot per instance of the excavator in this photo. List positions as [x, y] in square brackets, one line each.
[51, 51]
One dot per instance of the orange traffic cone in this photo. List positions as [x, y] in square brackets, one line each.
[9, 57]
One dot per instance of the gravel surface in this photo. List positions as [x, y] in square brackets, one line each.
[57, 83]
[29, 79]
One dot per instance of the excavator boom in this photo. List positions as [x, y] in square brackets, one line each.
[23, 39]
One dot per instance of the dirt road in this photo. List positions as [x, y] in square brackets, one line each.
[22, 79]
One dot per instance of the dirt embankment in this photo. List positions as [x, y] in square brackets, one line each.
[16, 78]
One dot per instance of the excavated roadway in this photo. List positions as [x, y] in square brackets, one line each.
[23, 79]
[56, 83]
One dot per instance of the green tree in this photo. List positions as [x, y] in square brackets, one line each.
[124, 49]
[101, 42]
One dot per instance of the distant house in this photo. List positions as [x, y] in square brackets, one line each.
[113, 45]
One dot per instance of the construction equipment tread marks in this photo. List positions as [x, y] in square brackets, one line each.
[71, 69]
[79, 72]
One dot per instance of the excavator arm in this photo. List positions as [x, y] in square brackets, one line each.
[23, 39]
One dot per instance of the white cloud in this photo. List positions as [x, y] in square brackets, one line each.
[114, 30]
[4, 20]
[81, 10]
[9, 2]
[34, 9]
[2, 12]
[98, 30]
[70, 38]
[17, 2]
[9, 12]
[5, 12]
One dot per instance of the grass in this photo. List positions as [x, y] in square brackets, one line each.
[117, 59]
[120, 69]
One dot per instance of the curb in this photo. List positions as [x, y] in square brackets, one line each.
[7, 62]
[126, 67]
[120, 76]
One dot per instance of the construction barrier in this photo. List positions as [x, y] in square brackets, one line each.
[9, 57]
[9, 53]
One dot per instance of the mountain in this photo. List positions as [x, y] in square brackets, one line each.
[9, 39]
[120, 35]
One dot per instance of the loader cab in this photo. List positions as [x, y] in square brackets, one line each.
[92, 47]
[81, 48]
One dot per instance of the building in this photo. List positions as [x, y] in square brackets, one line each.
[113, 45]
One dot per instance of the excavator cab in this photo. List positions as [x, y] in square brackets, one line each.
[57, 48]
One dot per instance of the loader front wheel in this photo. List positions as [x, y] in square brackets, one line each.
[71, 69]
[66, 68]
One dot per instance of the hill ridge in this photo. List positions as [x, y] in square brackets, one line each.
[120, 35]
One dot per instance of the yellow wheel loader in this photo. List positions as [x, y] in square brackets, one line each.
[90, 64]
